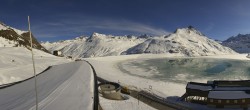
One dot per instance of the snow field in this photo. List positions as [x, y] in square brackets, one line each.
[16, 63]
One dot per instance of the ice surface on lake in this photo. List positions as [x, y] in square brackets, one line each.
[182, 70]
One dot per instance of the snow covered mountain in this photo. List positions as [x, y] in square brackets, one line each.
[95, 45]
[11, 37]
[185, 41]
[239, 43]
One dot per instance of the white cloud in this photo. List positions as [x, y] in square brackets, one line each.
[131, 27]
[68, 26]
[209, 28]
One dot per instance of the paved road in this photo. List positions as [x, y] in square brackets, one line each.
[63, 87]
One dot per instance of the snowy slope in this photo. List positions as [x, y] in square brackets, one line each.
[107, 45]
[185, 41]
[95, 45]
[11, 37]
[68, 47]
[239, 43]
[5, 27]
[16, 63]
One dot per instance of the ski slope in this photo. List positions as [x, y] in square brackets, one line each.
[67, 86]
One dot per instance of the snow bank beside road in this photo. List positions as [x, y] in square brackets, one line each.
[16, 63]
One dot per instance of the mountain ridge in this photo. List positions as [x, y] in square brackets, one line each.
[12, 37]
[239, 43]
[185, 41]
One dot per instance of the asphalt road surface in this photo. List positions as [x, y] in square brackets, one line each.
[62, 87]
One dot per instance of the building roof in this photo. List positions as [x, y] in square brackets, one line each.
[199, 86]
[232, 83]
[228, 95]
[243, 88]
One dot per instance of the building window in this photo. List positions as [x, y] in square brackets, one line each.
[228, 101]
[219, 101]
[236, 101]
[211, 100]
[243, 100]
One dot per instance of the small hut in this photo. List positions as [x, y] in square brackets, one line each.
[57, 53]
[248, 55]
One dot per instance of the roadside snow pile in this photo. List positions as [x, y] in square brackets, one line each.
[185, 41]
[16, 63]
[130, 104]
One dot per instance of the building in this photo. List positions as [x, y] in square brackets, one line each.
[219, 93]
[248, 55]
[57, 53]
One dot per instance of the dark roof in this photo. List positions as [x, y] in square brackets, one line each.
[232, 83]
[199, 86]
[232, 88]
[228, 95]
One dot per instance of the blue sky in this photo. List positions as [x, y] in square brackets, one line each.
[53, 20]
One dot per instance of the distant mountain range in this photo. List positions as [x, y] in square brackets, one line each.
[185, 41]
[239, 43]
[11, 37]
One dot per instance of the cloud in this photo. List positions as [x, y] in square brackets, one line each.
[131, 27]
[209, 28]
[68, 26]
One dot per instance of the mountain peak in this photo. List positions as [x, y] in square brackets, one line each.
[95, 34]
[1, 23]
[3, 26]
[144, 36]
[12, 37]
[190, 27]
[239, 43]
[188, 30]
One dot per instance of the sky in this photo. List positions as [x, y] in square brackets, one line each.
[53, 20]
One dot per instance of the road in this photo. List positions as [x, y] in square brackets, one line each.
[62, 87]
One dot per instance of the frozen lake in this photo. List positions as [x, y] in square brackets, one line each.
[182, 70]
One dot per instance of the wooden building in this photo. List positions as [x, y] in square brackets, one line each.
[231, 99]
[219, 93]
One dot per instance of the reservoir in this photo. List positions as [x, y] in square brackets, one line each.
[183, 70]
